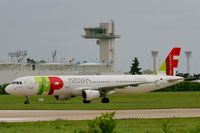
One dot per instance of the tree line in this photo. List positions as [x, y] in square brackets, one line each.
[183, 86]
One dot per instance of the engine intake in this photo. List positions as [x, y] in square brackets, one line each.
[90, 94]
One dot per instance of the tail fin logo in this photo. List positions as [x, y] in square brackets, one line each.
[171, 62]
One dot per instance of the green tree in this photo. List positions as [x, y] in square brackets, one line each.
[135, 69]
[2, 89]
[103, 124]
[30, 61]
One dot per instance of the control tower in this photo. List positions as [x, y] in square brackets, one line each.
[105, 35]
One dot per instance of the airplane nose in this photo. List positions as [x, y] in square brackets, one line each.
[9, 89]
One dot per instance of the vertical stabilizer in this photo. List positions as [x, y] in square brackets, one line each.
[171, 62]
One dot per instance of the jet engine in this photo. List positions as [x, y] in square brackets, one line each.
[90, 94]
[62, 97]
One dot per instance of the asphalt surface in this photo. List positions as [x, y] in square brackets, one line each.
[47, 115]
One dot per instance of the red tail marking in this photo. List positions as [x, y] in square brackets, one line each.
[172, 63]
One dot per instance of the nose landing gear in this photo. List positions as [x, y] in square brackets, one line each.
[27, 100]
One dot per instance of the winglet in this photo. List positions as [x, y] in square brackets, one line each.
[171, 62]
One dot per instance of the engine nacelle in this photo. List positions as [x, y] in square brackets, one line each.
[62, 97]
[90, 94]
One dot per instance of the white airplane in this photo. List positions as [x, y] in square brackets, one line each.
[91, 87]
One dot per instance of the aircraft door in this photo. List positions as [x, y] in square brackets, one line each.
[67, 84]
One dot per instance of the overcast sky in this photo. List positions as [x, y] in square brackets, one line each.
[40, 26]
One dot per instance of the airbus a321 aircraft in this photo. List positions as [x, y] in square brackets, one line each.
[91, 87]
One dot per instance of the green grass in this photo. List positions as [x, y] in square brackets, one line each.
[175, 125]
[117, 101]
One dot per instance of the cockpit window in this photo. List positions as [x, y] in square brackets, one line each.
[17, 82]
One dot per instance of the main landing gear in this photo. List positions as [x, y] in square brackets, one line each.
[27, 100]
[105, 100]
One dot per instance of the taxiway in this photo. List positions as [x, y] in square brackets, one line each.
[47, 115]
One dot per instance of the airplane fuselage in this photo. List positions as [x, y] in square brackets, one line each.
[74, 85]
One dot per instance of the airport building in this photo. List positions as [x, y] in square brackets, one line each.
[105, 35]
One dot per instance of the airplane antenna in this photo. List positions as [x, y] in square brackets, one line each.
[54, 55]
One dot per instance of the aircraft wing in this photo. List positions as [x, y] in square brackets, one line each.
[107, 89]
[110, 88]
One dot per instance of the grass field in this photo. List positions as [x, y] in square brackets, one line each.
[174, 125]
[118, 101]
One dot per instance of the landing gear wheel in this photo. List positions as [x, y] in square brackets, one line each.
[105, 100]
[27, 100]
[86, 101]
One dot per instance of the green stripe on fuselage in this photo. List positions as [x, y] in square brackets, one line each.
[44, 85]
